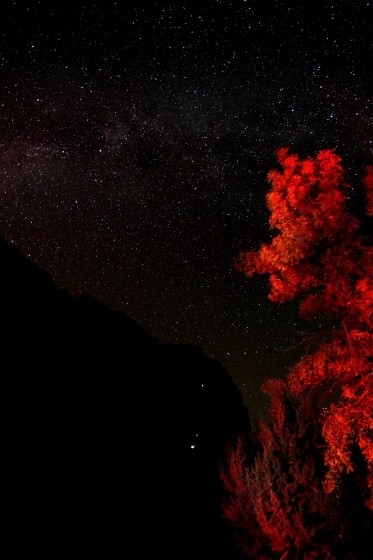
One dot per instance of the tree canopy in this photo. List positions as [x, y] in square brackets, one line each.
[317, 445]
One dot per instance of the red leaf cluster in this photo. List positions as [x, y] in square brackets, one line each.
[319, 437]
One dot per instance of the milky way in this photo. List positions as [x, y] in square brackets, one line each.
[135, 143]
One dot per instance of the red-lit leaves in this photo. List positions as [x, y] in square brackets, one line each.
[321, 415]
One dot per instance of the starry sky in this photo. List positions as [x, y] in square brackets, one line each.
[135, 141]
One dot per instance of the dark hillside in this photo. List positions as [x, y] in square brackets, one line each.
[112, 439]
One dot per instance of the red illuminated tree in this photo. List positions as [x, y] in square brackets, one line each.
[321, 256]
[276, 502]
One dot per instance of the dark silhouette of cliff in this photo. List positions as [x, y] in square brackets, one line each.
[112, 440]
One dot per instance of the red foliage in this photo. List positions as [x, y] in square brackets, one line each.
[318, 253]
[321, 256]
[277, 504]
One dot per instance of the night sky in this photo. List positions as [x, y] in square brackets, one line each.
[135, 141]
